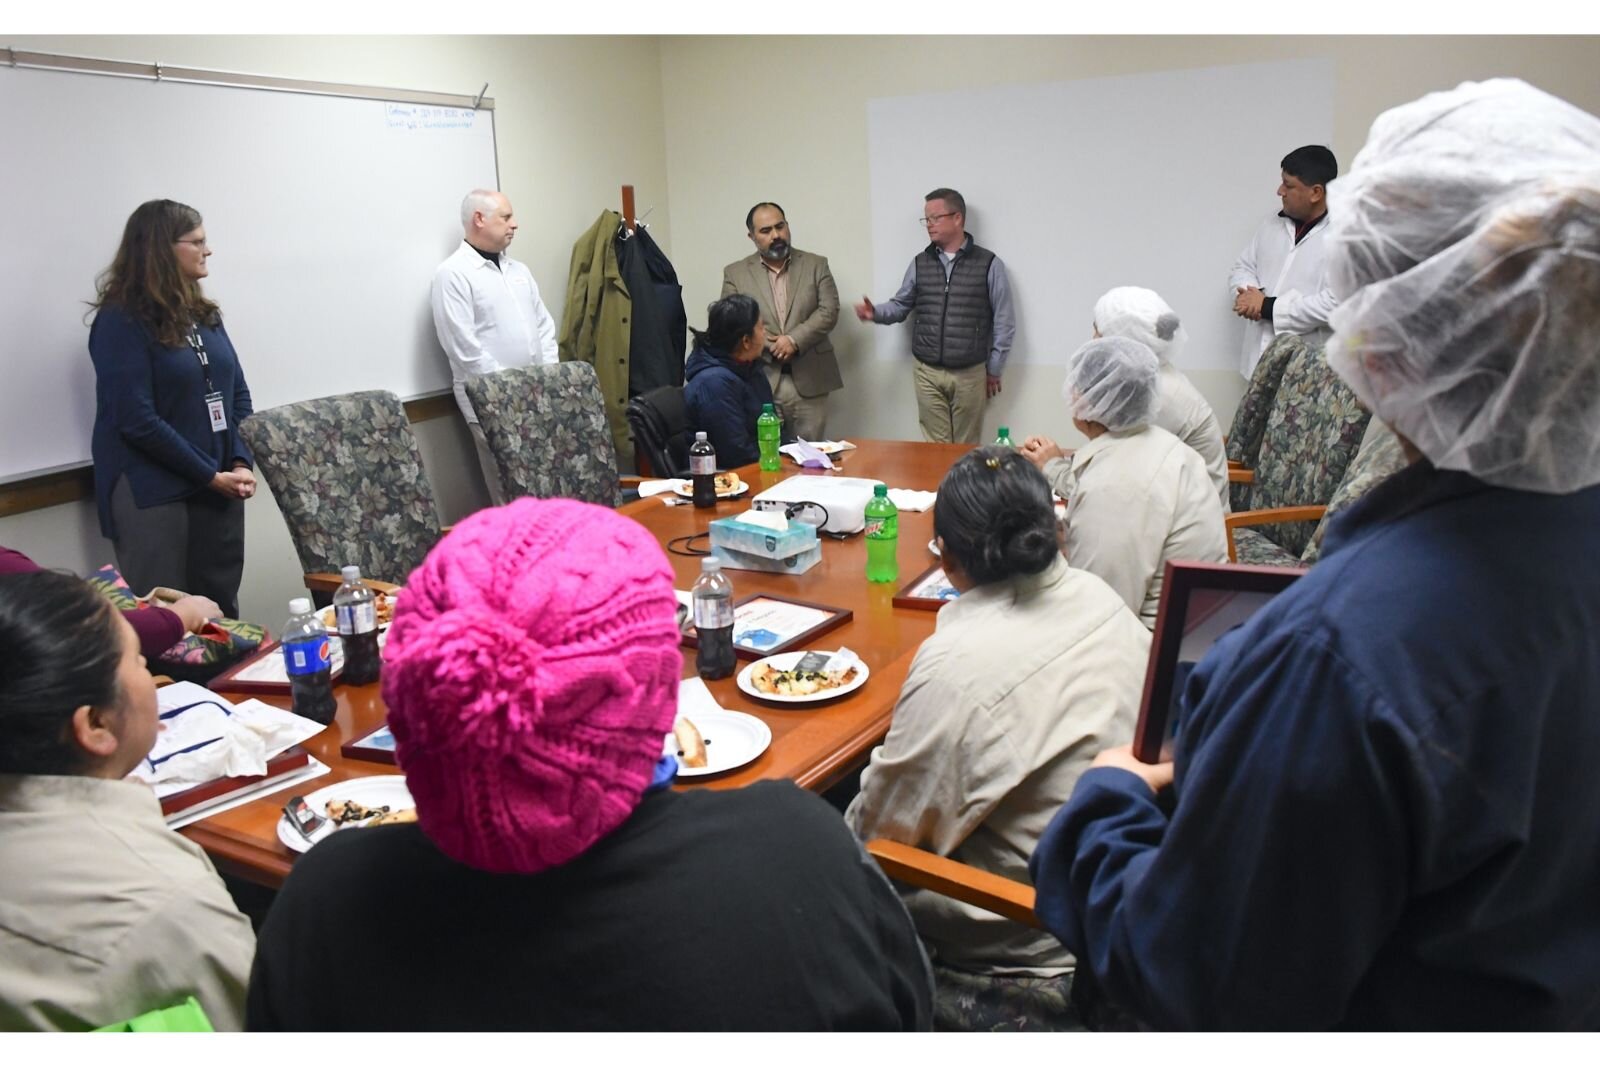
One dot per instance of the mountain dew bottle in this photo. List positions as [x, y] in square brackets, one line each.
[1004, 439]
[883, 536]
[769, 431]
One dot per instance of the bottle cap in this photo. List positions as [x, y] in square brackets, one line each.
[1005, 431]
[351, 574]
[710, 565]
[767, 409]
[880, 489]
[300, 605]
[699, 435]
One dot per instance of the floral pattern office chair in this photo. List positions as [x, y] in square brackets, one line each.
[347, 475]
[547, 429]
[1306, 446]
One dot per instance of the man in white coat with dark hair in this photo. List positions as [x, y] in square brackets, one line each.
[487, 311]
[1278, 282]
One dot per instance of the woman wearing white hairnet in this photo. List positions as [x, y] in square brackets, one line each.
[1142, 315]
[1136, 495]
[1388, 810]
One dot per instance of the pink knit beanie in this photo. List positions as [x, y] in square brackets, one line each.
[531, 675]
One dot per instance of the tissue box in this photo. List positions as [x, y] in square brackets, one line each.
[753, 539]
[733, 559]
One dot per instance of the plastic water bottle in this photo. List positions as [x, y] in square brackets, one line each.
[703, 469]
[1004, 439]
[306, 655]
[883, 536]
[355, 608]
[713, 620]
[769, 432]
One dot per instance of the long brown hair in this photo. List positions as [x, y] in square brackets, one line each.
[144, 280]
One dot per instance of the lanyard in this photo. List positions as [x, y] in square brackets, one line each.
[198, 343]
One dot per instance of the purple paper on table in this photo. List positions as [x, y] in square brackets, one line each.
[806, 455]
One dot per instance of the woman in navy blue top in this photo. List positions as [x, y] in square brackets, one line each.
[170, 471]
[723, 390]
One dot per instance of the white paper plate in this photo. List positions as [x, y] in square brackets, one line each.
[381, 790]
[685, 488]
[732, 739]
[786, 661]
[933, 545]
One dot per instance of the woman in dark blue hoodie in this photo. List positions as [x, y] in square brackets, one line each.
[723, 389]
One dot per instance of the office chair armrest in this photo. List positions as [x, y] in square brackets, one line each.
[331, 582]
[1267, 516]
[922, 869]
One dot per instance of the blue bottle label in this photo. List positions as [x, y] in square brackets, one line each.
[307, 656]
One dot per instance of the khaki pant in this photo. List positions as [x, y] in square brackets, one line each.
[491, 469]
[807, 415]
[950, 402]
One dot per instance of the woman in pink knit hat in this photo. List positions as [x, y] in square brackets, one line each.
[553, 879]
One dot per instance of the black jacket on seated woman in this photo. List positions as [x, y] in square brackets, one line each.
[723, 388]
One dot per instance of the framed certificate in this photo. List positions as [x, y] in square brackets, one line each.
[263, 673]
[928, 591]
[1199, 603]
[765, 624]
[376, 746]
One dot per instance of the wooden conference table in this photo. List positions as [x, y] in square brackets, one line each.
[813, 745]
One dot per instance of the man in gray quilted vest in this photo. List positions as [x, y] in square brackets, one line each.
[964, 326]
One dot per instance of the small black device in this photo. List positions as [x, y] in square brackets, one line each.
[305, 820]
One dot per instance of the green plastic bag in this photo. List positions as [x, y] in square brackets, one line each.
[186, 1017]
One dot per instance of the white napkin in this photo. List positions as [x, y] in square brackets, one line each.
[204, 737]
[911, 499]
[656, 488]
[693, 696]
[842, 662]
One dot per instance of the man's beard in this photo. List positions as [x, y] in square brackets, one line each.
[776, 250]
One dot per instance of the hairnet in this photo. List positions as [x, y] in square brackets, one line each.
[1465, 242]
[1112, 381]
[1141, 315]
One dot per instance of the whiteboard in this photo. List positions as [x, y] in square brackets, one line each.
[1156, 180]
[326, 216]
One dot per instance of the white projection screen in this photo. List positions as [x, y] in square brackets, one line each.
[1149, 179]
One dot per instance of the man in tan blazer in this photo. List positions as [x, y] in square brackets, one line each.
[799, 305]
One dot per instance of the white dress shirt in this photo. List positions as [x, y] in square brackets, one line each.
[1023, 682]
[1294, 275]
[1183, 412]
[1135, 499]
[106, 914]
[489, 319]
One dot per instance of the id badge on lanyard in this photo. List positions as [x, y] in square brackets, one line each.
[215, 408]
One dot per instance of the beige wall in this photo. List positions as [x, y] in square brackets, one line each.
[575, 118]
[788, 122]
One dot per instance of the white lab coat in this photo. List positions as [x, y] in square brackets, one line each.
[1294, 275]
[1135, 499]
[489, 319]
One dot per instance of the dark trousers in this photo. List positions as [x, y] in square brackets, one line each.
[195, 545]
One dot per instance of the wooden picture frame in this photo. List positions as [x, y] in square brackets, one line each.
[237, 678]
[915, 593]
[375, 745]
[786, 639]
[1199, 603]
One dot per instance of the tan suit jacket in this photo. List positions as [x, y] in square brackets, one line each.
[813, 311]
